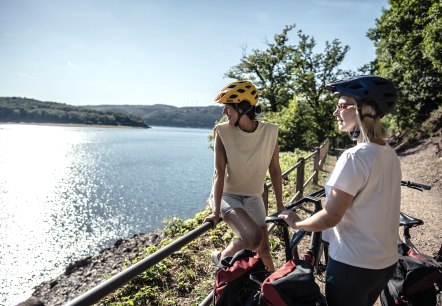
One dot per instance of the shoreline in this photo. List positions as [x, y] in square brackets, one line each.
[75, 125]
[87, 273]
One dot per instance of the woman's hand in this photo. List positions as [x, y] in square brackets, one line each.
[290, 217]
[214, 218]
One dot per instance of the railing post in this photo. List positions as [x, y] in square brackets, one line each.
[316, 160]
[326, 146]
[300, 178]
[323, 152]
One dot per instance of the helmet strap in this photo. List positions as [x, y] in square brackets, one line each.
[354, 135]
[240, 114]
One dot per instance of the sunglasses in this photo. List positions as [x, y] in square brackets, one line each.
[342, 106]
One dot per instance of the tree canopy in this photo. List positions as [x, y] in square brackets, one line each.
[408, 41]
[291, 79]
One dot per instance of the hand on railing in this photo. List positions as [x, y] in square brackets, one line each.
[213, 218]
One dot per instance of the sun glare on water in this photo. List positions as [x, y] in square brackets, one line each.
[33, 161]
[67, 192]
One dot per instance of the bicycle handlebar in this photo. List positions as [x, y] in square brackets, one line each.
[414, 185]
[315, 198]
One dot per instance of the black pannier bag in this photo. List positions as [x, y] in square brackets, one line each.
[233, 286]
[293, 284]
[413, 281]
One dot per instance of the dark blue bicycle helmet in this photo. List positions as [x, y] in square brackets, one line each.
[367, 89]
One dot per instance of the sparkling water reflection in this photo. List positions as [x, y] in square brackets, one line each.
[67, 192]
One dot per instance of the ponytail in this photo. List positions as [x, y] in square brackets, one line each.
[370, 124]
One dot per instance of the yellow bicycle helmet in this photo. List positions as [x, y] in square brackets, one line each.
[237, 92]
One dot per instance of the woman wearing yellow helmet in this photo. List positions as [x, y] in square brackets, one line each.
[244, 149]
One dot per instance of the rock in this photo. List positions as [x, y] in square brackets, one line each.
[32, 301]
[77, 265]
[84, 274]
[118, 243]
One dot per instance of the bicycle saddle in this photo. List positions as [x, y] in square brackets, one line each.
[409, 221]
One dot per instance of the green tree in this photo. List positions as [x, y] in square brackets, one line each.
[408, 43]
[283, 69]
[313, 120]
[270, 70]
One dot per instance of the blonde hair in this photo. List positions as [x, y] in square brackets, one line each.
[370, 125]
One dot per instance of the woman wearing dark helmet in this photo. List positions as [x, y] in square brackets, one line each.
[361, 216]
[244, 149]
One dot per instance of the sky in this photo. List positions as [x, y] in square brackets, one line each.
[144, 52]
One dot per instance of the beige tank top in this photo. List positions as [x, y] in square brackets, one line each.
[248, 157]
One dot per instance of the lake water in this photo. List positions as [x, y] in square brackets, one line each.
[68, 192]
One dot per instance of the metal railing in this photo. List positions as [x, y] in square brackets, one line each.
[319, 156]
[97, 293]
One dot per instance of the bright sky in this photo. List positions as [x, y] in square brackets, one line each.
[172, 52]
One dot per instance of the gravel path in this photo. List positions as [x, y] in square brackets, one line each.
[423, 164]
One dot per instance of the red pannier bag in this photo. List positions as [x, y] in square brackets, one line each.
[293, 284]
[233, 286]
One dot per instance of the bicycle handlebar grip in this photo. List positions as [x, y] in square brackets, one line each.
[415, 185]
[426, 187]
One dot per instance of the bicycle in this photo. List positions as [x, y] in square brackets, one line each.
[408, 222]
[317, 252]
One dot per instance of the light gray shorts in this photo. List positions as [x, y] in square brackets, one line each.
[253, 205]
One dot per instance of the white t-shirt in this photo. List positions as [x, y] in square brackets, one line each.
[367, 235]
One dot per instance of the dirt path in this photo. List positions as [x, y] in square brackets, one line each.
[423, 164]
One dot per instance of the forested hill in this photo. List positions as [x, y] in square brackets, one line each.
[166, 115]
[14, 109]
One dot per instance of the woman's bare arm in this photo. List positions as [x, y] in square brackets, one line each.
[337, 204]
[220, 161]
[275, 177]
